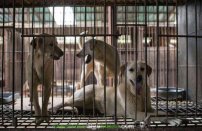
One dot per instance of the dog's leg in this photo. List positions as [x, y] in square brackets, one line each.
[78, 99]
[97, 76]
[48, 78]
[88, 70]
[47, 92]
[100, 75]
[35, 100]
[67, 102]
[149, 108]
[33, 82]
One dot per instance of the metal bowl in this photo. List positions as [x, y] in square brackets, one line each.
[8, 97]
[170, 93]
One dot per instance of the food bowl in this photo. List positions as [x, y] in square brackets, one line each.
[170, 93]
[8, 97]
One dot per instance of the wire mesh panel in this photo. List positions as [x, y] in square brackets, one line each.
[100, 64]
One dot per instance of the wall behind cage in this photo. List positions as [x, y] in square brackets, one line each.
[131, 44]
[19, 60]
[190, 60]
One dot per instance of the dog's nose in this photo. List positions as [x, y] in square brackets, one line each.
[62, 53]
[79, 54]
[139, 78]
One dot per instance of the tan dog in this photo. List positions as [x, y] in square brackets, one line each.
[136, 93]
[96, 48]
[45, 51]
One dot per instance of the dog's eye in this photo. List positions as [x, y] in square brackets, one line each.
[131, 69]
[142, 69]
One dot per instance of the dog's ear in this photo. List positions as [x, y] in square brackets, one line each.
[40, 41]
[149, 70]
[37, 42]
[33, 43]
[123, 69]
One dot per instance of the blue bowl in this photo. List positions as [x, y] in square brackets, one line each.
[8, 97]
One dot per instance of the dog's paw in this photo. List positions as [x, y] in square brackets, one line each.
[53, 110]
[38, 121]
[46, 118]
[75, 111]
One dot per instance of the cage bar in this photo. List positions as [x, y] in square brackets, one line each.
[165, 34]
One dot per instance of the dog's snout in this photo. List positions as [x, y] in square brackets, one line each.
[79, 54]
[61, 53]
[139, 78]
[57, 53]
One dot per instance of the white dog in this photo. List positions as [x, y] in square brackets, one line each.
[136, 93]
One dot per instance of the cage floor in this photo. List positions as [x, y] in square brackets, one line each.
[171, 107]
[186, 110]
[182, 108]
[69, 122]
[92, 122]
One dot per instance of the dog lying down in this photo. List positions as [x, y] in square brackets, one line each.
[136, 93]
[45, 51]
[95, 49]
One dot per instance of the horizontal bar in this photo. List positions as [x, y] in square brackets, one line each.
[131, 24]
[172, 115]
[107, 117]
[44, 35]
[1, 27]
[89, 3]
[180, 36]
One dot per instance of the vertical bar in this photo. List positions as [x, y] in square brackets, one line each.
[63, 74]
[196, 30]
[94, 57]
[105, 21]
[43, 76]
[163, 40]
[2, 64]
[145, 8]
[84, 88]
[157, 66]
[32, 61]
[13, 64]
[114, 11]
[84, 62]
[186, 17]
[53, 33]
[167, 33]
[136, 51]
[177, 61]
[74, 73]
[22, 58]
[125, 59]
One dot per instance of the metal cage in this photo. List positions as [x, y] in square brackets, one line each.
[164, 33]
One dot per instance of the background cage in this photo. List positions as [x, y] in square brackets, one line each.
[164, 33]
